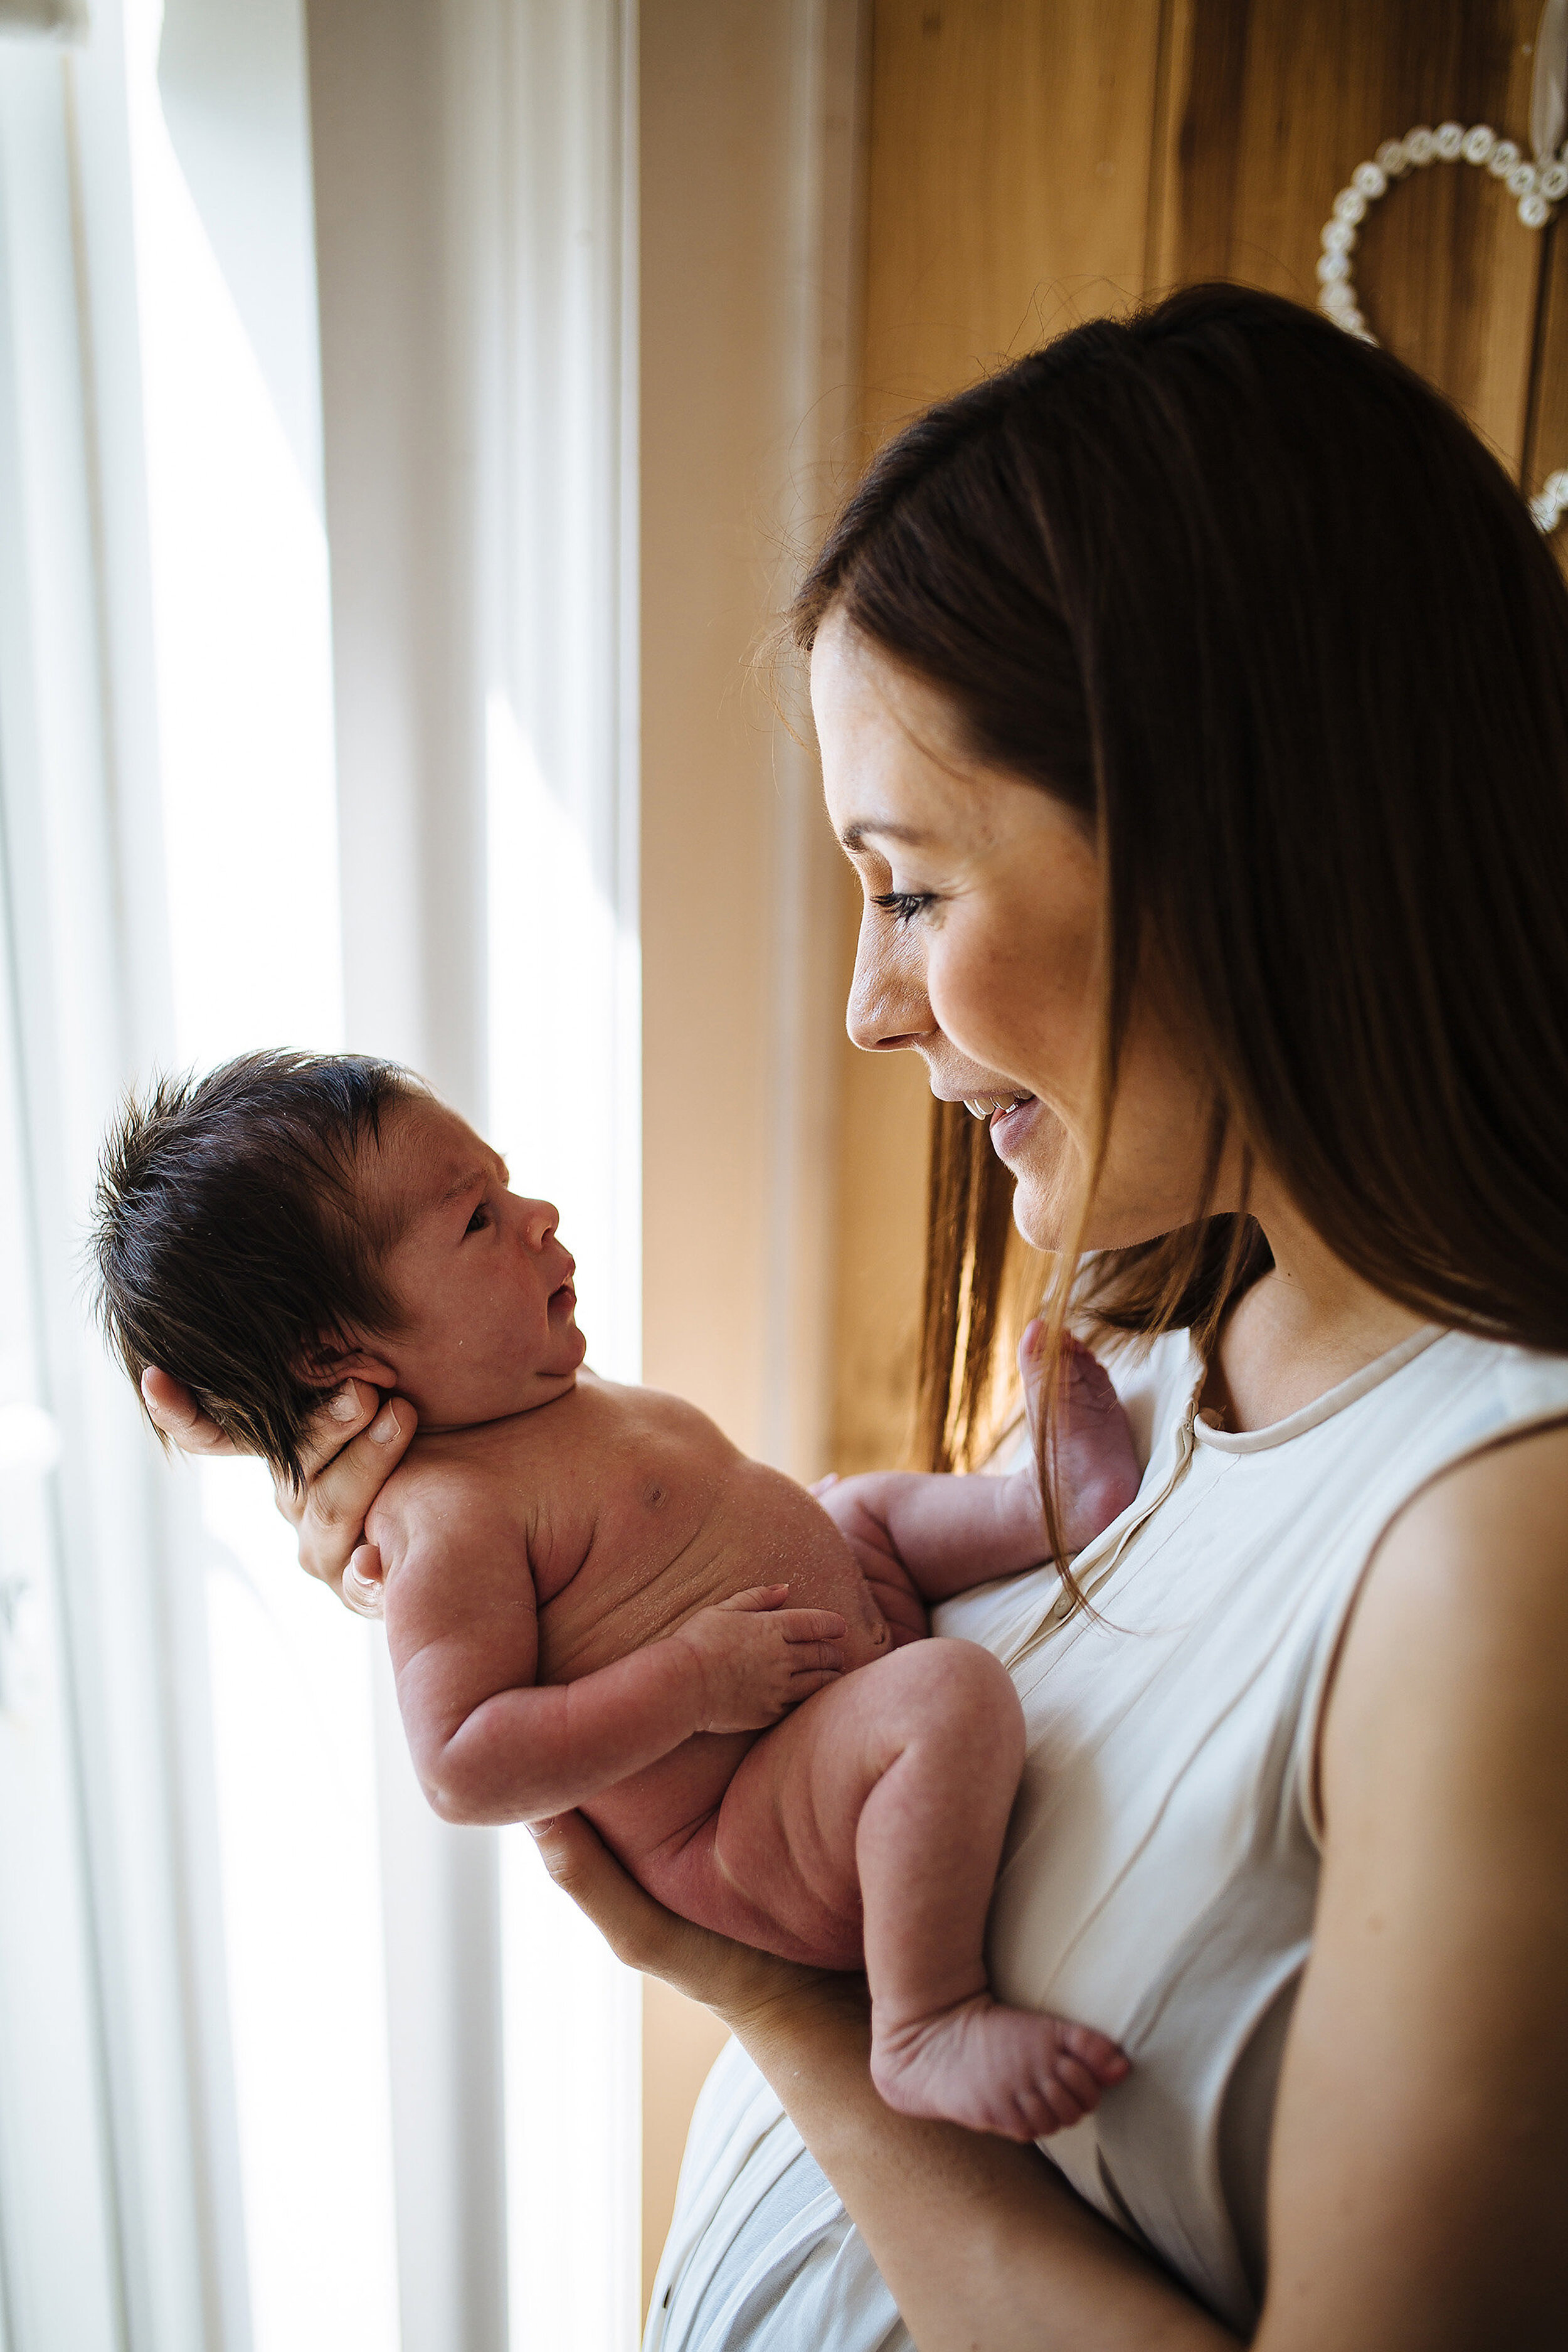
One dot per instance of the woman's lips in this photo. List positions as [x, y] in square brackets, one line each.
[1010, 1116]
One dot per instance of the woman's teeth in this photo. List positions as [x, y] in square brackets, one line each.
[987, 1105]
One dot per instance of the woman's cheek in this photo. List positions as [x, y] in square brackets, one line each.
[970, 989]
[1007, 1011]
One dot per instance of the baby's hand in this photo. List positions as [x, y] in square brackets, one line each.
[758, 1659]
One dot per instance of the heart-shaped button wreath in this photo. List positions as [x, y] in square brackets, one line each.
[1538, 189]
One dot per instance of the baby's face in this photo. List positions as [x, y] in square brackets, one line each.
[485, 1285]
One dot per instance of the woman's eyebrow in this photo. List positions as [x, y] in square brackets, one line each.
[854, 835]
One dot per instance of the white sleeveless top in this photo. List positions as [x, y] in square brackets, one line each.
[1161, 1870]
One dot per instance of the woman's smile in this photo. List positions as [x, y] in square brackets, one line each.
[979, 950]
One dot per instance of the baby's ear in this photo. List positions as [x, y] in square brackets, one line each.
[331, 1363]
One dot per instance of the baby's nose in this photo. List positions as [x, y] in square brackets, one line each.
[541, 1219]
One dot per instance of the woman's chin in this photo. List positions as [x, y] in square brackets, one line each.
[1045, 1182]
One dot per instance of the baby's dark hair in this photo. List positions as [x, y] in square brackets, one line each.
[231, 1242]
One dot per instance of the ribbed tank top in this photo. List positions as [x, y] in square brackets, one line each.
[1161, 1870]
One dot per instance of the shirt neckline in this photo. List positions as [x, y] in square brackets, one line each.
[1322, 1409]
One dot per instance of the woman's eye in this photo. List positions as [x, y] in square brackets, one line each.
[902, 905]
[478, 1220]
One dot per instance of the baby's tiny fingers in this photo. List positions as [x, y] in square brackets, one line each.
[757, 1596]
[812, 1625]
[822, 1658]
[806, 1683]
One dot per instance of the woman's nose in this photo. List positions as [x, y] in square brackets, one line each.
[887, 1006]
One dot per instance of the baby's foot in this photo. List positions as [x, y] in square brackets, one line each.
[1096, 1469]
[997, 2070]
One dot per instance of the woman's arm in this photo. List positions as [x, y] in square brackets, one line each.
[980, 2242]
[1420, 2171]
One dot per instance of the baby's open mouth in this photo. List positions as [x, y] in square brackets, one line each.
[562, 1301]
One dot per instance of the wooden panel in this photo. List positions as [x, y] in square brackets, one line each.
[1546, 437]
[1271, 110]
[1009, 181]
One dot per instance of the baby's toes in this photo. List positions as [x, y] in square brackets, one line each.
[1037, 2117]
[1096, 2052]
[1058, 2108]
[1077, 2083]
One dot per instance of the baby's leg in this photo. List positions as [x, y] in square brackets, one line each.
[899, 1781]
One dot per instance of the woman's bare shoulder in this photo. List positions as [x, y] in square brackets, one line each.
[1466, 1595]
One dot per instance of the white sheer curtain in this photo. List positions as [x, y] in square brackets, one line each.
[317, 716]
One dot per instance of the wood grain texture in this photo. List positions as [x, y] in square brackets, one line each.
[1010, 154]
[1546, 436]
[1277, 105]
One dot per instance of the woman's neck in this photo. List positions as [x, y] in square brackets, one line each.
[1300, 1329]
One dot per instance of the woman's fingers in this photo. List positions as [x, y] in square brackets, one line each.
[341, 1419]
[728, 1977]
[638, 1929]
[328, 1519]
[362, 1589]
[351, 1448]
[173, 1409]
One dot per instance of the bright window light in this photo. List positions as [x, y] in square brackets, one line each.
[241, 622]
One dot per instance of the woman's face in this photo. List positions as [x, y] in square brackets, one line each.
[978, 947]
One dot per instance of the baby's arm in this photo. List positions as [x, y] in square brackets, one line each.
[950, 1532]
[947, 1532]
[490, 1745]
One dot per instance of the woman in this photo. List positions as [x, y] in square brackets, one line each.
[1192, 701]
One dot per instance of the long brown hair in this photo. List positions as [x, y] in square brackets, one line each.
[1252, 598]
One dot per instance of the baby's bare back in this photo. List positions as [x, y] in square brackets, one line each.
[633, 1511]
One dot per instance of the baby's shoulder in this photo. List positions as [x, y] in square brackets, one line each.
[652, 1415]
[439, 1492]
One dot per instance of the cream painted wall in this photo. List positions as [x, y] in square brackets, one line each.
[749, 168]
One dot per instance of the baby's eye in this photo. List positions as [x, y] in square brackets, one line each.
[478, 1220]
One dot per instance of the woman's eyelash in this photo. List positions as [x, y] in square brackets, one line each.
[902, 905]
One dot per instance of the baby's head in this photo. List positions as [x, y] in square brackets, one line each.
[293, 1219]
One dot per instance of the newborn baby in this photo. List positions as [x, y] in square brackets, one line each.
[591, 1599]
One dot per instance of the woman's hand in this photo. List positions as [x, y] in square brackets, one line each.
[979, 2240]
[740, 1986]
[353, 1446]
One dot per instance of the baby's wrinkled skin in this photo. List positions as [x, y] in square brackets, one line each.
[592, 1599]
